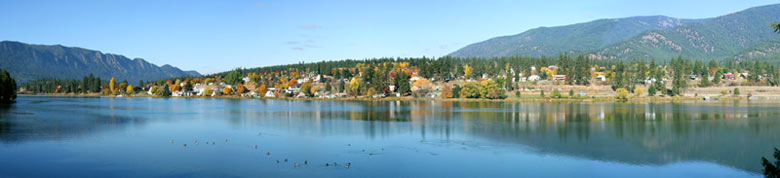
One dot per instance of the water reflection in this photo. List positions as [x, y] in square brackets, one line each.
[732, 134]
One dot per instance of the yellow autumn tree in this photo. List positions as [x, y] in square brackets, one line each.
[421, 87]
[129, 89]
[467, 70]
[354, 86]
[112, 85]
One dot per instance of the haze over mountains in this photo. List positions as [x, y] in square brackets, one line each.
[28, 62]
[744, 35]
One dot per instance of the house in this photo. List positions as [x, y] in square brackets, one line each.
[729, 76]
[534, 78]
[601, 78]
[270, 94]
[649, 80]
[559, 77]
[292, 90]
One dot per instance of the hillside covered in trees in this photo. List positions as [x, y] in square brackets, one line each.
[742, 35]
[29, 62]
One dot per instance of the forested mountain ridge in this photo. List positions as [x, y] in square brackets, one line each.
[28, 62]
[549, 41]
[724, 37]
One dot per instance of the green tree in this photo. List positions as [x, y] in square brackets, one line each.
[704, 81]
[306, 88]
[571, 93]
[651, 91]
[233, 77]
[716, 78]
[772, 170]
[776, 26]
[556, 93]
[471, 90]
[7, 88]
[679, 80]
[736, 91]
[456, 91]
[402, 83]
[166, 91]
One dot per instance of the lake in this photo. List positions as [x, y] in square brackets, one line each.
[145, 137]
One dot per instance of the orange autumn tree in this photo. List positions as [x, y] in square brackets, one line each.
[240, 88]
[227, 91]
[262, 90]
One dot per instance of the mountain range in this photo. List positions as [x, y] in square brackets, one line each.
[27, 62]
[744, 35]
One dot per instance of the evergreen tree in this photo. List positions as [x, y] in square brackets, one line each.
[7, 88]
[402, 83]
[166, 91]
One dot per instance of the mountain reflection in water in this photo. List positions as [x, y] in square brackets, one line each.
[734, 134]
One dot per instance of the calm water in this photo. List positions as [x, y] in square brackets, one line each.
[131, 137]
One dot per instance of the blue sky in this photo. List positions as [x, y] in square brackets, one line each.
[219, 35]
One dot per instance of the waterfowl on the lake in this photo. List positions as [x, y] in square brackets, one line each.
[196, 142]
[326, 164]
[277, 161]
[334, 164]
[285, 159]
[305, 162]
[171, 141]
[185, 144]
[348, 164]
[255, 146]
[268, 153]
[226, 140]
[213, 143]
[296, 164]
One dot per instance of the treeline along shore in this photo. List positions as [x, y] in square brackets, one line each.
[502, 78]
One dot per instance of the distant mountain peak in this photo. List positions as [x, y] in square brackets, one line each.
[654, 36]
[28, 62]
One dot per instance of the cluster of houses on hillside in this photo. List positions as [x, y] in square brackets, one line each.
[217, 89]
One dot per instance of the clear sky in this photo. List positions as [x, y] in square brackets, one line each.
[218, 35]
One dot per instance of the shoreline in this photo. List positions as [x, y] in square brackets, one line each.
[535, 99]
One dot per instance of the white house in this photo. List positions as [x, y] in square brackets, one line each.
[601, 78]
[534, 78]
